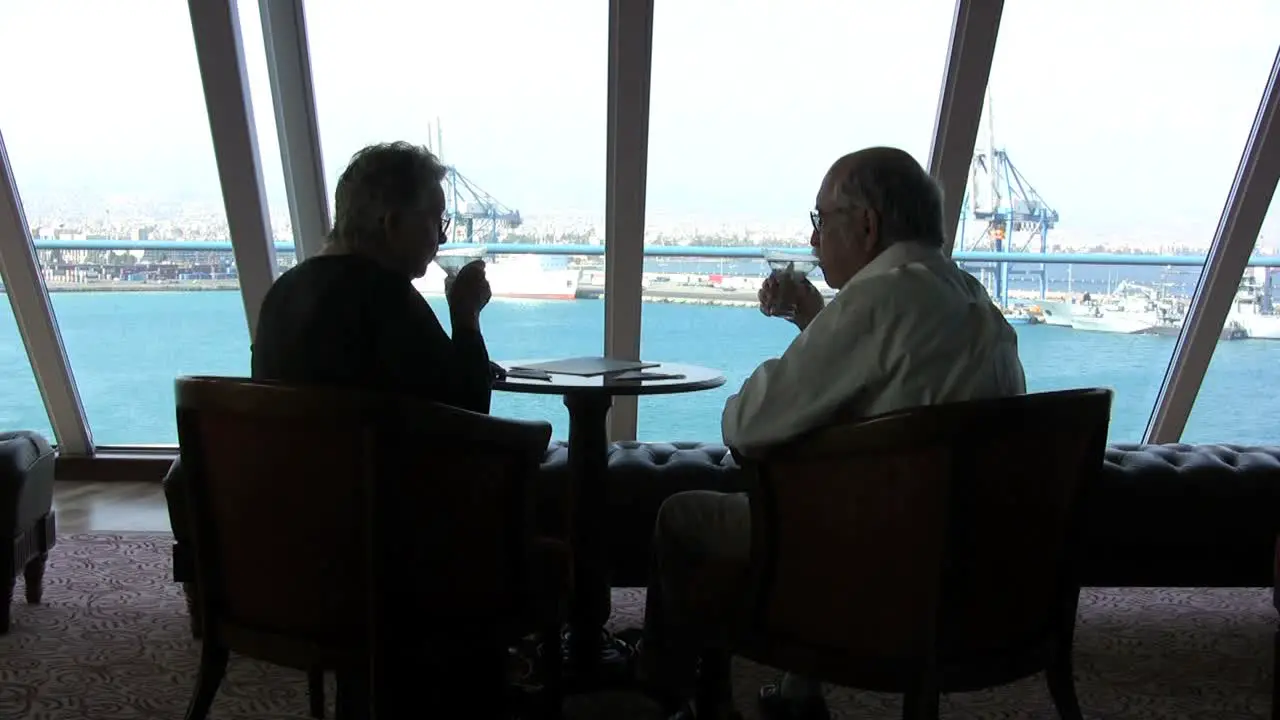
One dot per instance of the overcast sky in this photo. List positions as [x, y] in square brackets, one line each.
[1128, 116]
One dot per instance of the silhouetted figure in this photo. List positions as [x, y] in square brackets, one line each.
[351, 315]
[907, 328]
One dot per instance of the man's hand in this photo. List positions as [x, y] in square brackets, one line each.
[790, 296]
[468, 294]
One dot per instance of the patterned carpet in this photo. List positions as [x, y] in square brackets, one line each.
[111, 642]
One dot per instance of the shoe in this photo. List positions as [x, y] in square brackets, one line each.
[773, 706]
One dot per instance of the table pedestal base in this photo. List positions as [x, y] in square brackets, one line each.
[593, 657]
[608, 665]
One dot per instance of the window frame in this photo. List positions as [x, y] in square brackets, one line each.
[33, 314]
[216, 31]
[284, 33]
[1246, 208]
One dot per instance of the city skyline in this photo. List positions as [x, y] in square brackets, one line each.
[206, 221]
[209, 226]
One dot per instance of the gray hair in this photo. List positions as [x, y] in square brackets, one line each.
[380, 179]
[899, 190]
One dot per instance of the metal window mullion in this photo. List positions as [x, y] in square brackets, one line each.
[33, 313]
[220, 53]
[964, 86]
[630, 73]
[284, 30]
[1233, 243]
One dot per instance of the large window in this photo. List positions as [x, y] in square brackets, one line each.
[107, 131]
[1119, 132]
[255, 60]
[21, 407]
[1107, 130]
[1239, 401]
[512, 96]
[751, 103]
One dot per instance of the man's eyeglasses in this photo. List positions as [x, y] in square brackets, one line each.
[444, 226]
[818, 217]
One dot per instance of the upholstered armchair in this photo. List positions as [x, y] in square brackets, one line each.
[923, 552]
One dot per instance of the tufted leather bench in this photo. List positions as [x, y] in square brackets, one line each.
[641, 477]
[1184, 516]
[1163, 515]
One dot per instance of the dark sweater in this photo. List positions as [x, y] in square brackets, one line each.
[344, 320]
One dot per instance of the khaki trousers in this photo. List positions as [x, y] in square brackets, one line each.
[701, 555]
[701, 549]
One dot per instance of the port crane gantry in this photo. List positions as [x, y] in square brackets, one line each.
[476, 216]
[1010, 215]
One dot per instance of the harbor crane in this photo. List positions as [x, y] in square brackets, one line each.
[1009, 215]
[477, 216]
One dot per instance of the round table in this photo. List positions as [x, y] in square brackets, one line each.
[588, 400]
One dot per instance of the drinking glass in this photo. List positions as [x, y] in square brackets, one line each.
[453, 259]
[796, 264]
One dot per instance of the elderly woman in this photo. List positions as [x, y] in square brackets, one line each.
[351, 317]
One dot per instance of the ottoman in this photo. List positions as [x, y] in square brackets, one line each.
[26, 514]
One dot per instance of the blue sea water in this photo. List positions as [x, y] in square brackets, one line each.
[126, 348]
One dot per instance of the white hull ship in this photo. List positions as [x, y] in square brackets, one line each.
[1116, 322]
[1252, 309]
[1261, 327]
[1132, 309]
[1056, 313]
[528, 277]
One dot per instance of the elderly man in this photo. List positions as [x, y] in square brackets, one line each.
[351, 317]
[906, 328]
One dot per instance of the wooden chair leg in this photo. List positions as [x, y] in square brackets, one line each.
[921, 701]
[352, 700]
[315, 692]
[342, 701]
[551, 668]
[1062, 688]
[1275, 678]
[714, 696]
[33, 576]
[213, 666]
[6, 603]
[920, 706]
[193, 609]
[1061, 671]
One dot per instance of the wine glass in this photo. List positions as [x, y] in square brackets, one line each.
[795, 263]
[453, 259]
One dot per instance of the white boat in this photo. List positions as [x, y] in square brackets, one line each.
[1056, 312]
[531, 277]
[1252, 308]
[1130, 310]
[1261, 327]
[1019, 316]
[1115, 321]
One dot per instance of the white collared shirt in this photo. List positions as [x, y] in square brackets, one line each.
[910, 329]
